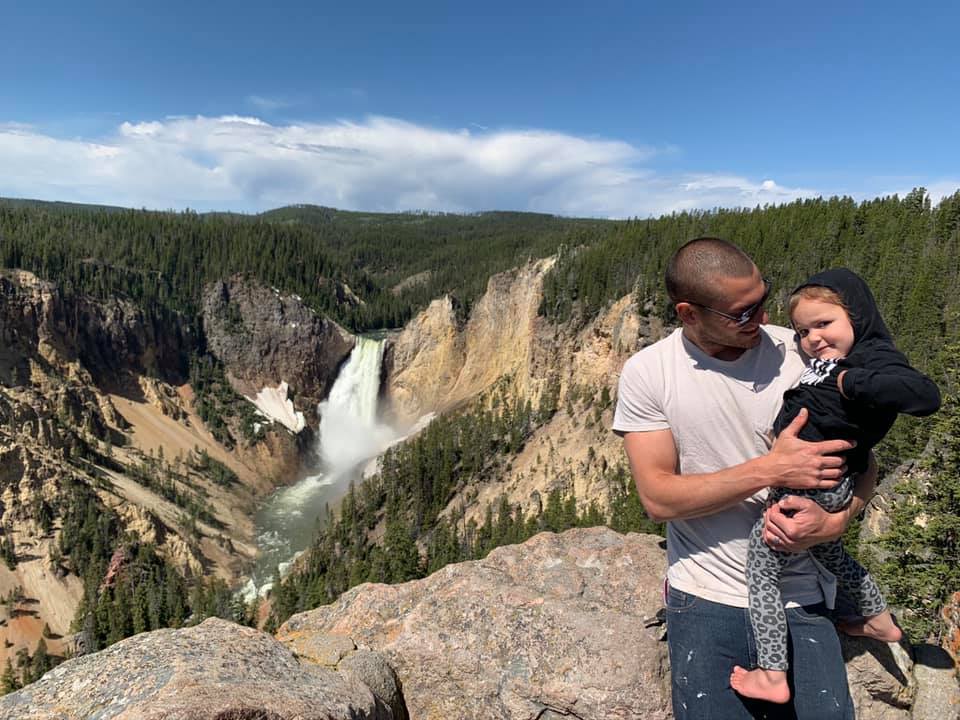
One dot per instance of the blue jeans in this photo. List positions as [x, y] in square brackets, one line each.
[706, 639]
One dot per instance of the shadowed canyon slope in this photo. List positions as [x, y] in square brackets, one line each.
[95, 397]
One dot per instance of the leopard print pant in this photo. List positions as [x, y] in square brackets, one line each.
[764, 565]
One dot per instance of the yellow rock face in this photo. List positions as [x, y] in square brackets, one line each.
[437, 362]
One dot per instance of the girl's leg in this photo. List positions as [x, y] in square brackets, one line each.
[769, 680]
[857, 584]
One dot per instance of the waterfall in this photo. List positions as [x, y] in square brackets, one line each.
[349, 431]
[349, 436]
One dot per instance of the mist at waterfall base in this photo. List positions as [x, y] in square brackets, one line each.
[350, 436]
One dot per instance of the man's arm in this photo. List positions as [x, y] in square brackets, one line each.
[797, 523]
[668, 495]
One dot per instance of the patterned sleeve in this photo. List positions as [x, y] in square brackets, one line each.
[640, 397]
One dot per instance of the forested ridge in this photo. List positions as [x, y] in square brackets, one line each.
[440, 253]
[906, 248]
[163, 260]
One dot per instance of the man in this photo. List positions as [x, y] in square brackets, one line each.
[695, 411]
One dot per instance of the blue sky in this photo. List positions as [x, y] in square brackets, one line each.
[603, 108]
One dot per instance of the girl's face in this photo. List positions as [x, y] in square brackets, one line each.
[824, 328]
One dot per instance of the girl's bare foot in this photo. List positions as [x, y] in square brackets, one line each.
[761, 684]
[879, 627]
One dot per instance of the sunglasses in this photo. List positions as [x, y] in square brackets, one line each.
[747, 315]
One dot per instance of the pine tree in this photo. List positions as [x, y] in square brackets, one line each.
[41, 661]
[9, 682]
[402, 556]
[921, 563]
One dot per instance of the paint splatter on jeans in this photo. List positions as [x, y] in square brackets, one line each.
[706, 639]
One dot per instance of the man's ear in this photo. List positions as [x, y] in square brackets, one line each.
[686, 313]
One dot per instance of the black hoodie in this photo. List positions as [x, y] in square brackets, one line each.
[879, 382]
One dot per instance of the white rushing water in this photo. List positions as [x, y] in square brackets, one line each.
[350, 436]
[349, 431]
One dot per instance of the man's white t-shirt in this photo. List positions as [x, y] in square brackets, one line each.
[720, 414]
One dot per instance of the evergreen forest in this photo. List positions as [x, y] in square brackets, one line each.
[396, 264]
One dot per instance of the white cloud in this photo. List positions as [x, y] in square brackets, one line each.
[243, 163]
[941, 189]
[733, 191]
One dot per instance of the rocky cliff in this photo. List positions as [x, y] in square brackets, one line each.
[110, 339]
[563, 626]
[93, 395]
[437, 362]
[265, 338]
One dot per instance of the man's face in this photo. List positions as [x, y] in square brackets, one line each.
[717, 334]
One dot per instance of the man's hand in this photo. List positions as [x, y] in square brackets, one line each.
[797, 523]
[802, 465]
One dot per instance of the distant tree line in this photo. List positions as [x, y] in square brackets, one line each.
[163, 260]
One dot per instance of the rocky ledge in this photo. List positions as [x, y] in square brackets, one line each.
[562, 626]
[216, 670]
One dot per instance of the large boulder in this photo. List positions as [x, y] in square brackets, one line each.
[214, 671]
[564, 624]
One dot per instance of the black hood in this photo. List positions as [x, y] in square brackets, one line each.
[869, 331]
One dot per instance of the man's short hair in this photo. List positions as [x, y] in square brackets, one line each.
[695, 266]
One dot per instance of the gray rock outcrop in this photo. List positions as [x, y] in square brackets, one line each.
[564, 626]
[264, 338]
[214, 671]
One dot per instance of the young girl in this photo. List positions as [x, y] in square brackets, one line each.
[854, 387]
